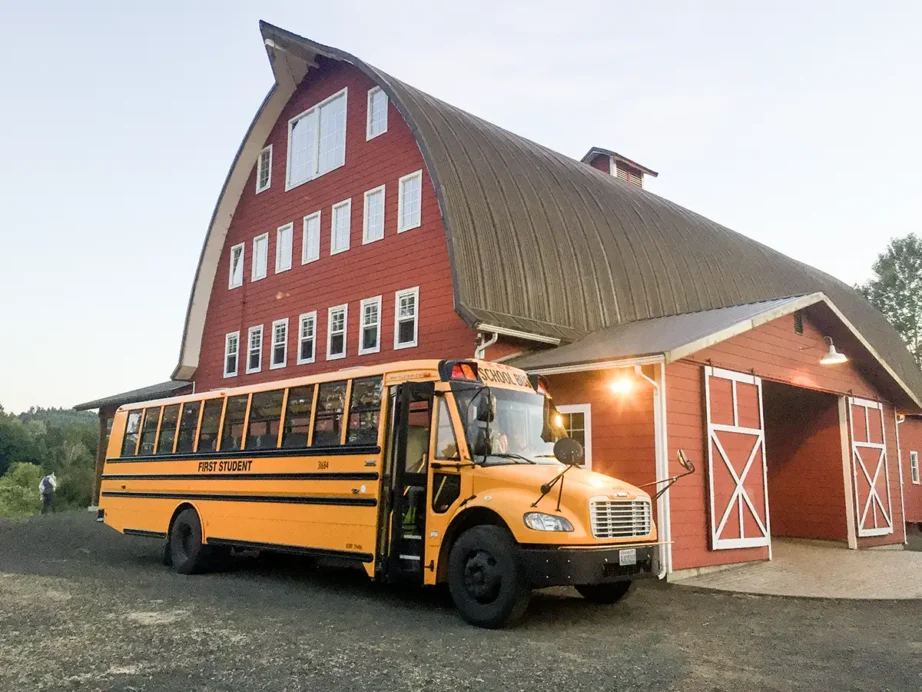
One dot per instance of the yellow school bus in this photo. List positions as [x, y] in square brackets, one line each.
[452, 471]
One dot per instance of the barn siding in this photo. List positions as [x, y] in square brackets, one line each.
[418, 257]
[602, 163]
[911, 440]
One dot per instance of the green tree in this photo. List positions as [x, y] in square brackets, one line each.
[19, 495]
[896, 289]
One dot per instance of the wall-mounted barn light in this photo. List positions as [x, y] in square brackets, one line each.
[832, 357]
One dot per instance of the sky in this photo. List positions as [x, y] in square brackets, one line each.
[794, 123]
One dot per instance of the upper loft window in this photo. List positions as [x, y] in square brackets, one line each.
[264, 169]
[373, 224]
[310, 246]
[342, 227]
[235, 275]
[317, 140]
[409, 201]
[377, 113]
[336, 332]
[260, 256]
[406, 323]
[231, 350]
[283, 248]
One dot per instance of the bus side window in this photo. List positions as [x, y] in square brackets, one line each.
[418, 422]
[188, 421]
[298, 416]
[328, 419]
[149, 430]
[130, 441]
[168, 429]
[232, 437]
[211, 419]
[365, 411]
[446, 445]
[265, 416]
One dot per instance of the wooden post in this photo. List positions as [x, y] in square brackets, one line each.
[104, 417]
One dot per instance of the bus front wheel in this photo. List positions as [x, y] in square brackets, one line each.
[487, 581]
[187, 552]
[605, 594]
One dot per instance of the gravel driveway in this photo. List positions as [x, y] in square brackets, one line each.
[83, 608]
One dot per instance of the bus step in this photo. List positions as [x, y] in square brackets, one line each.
[410, 557]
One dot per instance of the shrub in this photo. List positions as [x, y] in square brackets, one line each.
[19, 495]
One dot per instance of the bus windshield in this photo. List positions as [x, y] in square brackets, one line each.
[523, 429]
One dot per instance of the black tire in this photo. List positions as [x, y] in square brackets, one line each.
[187, 552]
[486, 579]
[605, 593]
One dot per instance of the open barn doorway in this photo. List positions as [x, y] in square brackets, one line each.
[804, 463]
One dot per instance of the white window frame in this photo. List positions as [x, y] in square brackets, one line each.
[586, 410]
[312, 316]
[400, 227]
[254, 276]
[914, 468]
[306, 255]
[272, 364]
[291, 123]
[377, 348]
[227, 339]
[365, 239]
[259, 366]
[259, 170]
[279, 258]
[345, 309]
[230, 276]
[348, 204]
[397, 296]
[371, 94]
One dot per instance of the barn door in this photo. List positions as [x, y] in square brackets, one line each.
[736, 460]
[870, 472]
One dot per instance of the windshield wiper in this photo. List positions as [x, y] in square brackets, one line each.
[509, 455]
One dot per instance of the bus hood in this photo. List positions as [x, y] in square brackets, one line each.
[577, 481]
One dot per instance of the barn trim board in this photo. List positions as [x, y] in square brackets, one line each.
[876, 454]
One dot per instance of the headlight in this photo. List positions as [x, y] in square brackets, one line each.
[546, 522]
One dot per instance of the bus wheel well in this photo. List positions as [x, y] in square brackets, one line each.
[176, 512]
[475, 516]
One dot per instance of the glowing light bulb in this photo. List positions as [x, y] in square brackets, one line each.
[622, 385]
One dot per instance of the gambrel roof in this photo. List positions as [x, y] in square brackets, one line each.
[544, 244]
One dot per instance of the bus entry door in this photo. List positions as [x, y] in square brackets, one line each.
[413, 423]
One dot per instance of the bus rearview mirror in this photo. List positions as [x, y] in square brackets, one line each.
[568, 451]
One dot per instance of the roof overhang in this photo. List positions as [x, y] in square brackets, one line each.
[149, 393]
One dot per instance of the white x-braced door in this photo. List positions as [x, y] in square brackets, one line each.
[736, 460]
[870, 471]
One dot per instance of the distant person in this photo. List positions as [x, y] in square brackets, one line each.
[47, 487]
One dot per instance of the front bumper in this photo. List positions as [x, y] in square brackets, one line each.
[553, 566]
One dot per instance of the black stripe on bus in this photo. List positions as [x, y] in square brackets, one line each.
[143, 533]
[232, 476]
[278, 499]
[338, 450]
[295, 549]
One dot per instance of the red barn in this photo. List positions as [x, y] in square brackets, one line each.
[363, 220]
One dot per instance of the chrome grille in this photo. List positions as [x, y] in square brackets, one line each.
[619, 518]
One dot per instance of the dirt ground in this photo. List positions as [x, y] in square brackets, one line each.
[84, 608]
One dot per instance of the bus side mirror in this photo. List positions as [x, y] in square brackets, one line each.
[479, 442]
[686, 464]
[486, 407]
[568, 451]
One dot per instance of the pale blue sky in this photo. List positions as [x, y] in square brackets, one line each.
[794, 123]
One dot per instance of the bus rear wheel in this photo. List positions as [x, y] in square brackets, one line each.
[605, 594]
[486, 579]
[187, 552]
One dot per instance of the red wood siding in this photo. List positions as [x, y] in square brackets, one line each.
[803, 444]
[911, 441]
[602, 163]
[418, 257]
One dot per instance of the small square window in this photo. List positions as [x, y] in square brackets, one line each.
[310, 249]
[307, 331]
[255, 349]
[235, 275]
[279, 344]
[260, 256]
[231, 351]
[409, 202]
[406, 318]
[336, 332]
[341, 228]
[377, 113]
[373, 223]
[264, 169]
[370, 328]
[283, 248]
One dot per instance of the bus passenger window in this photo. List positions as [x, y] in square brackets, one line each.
[187, 424]
[232, 437]
[149, 430]
[328, 420]
[298, 416]
[130, 441]
[364, 411]
[265, 416]
[168, 429]
[211, 419]
[446, 445]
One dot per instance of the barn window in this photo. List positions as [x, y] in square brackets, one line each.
[914, 466]
[409, 202]
[307, 329]
[310, 248]
[336, 332]
[264, 169]
[260, 256]
[279, 344]
[342, 223]
[231, 350]
[370, 329]
[406, 322]
[577, 421]
[283, 248]
[373, 225]
[377, 113]
[235, 275]
[255, 349]
[317, 140]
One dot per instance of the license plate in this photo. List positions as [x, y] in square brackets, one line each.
[627, 557]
